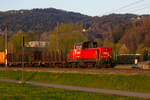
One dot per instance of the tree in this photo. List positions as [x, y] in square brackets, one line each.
[136, 33]
[140, 48]
[63, 38]
[2, 45]
[99, 42]
[31, 35]
[124, 50]
[16, 40]
[145, 55]
[149, 51]
[147, 39]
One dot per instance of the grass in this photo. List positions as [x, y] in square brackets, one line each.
[134, 83]
[12, 91]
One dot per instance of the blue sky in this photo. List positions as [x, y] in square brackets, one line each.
[88, 7]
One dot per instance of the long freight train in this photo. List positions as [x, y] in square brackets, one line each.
[84, 54]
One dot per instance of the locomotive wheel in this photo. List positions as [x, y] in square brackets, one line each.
[73, 65]
[90, 65]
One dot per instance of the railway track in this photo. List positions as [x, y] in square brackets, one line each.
[82, 70]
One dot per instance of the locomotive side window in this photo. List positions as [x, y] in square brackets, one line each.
[94, 44]
[78, 46]
[87, 45]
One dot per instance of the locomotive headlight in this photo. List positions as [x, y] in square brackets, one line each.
[78, 52]
[106, 53]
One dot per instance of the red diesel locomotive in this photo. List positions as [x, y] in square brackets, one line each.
[88, 53]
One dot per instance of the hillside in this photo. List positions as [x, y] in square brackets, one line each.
[102, 25]
[46, 18]
[114, 28]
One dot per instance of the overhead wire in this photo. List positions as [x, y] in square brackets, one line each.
[140, 9]
[137, 6]
[124, 7]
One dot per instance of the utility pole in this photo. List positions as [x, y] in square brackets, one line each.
[57, 42]
[22, 81]
[6, 47]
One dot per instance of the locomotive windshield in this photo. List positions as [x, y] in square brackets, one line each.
[78, 46]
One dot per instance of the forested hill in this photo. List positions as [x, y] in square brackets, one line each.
[47, 19]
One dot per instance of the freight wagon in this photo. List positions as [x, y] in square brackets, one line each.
[2, 58]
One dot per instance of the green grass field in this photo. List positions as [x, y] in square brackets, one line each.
[134, 83]
[12, 91]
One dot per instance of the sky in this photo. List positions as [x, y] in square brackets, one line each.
[87, 7]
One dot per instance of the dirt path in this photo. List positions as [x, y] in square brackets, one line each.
[95, 90]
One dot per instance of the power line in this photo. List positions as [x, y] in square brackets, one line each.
[126, 6]
[137, 7]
